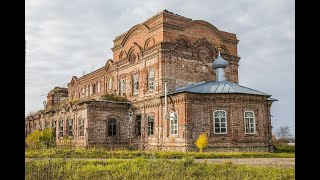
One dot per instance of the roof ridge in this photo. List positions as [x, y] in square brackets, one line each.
[192, 85]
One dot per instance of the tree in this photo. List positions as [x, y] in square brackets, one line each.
[202, 142]
[283, 133]
[38, 139]
[47, 137]
[33, 139]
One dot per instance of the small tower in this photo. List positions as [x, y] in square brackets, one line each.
[219, 65]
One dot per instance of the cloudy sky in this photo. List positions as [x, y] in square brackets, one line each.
[67, 38]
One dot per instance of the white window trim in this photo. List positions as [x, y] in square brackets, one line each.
[214, 120]
[72, 127]
[61, 130]
[122, 87]
[254, 123]
[148, 127]
[176, 125]
[154, 75]
[87, 91]
[135, 88]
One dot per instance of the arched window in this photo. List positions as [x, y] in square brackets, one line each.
[54, 125]
[83, 92]
[151, 80]
[220, 122]
[112, 127]
[122, 87]
[135, 84]
[81, 126]
[99, 87]
[70, 127]
[150, 124]
[138, 125]
[61, 128]
[133, 57]
[250, 125]
[174, 123]
[94, 89]
[110, 83]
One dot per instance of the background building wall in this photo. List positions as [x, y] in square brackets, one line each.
[200, 120]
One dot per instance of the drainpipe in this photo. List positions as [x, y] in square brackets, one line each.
[186, 122]
[165, 100]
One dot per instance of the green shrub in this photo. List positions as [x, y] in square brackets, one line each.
[112, 97]
[38, 139]
[48, 137]
[33, 139]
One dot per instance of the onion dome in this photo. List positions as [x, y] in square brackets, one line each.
[219, 62]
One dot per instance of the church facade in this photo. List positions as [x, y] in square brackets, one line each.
[171, 78]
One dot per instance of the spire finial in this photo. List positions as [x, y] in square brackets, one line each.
[219, 51]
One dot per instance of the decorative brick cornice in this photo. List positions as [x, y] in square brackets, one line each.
[226, 98]
[195, 51]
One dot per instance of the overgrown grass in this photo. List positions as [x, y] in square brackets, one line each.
[285, 149]
[149, 169]
[125, 154]
[112, 97]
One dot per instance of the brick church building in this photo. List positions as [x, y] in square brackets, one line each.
[171, 78]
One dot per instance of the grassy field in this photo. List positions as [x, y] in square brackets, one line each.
[126, 154]
[140, 168]
[285, 149]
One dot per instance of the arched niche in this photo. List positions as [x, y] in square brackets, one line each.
[182, 40]
[150, 42]
[122, 55]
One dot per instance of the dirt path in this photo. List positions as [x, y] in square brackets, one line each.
[287, 162]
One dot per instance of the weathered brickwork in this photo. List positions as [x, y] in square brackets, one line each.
[100, 115]
[51, 119]
[178, 49]
[200, 119]
[166, 48]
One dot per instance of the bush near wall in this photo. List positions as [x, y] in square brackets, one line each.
[112, 97]
[41, 139]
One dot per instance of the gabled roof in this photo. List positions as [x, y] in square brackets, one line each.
[221, 87]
